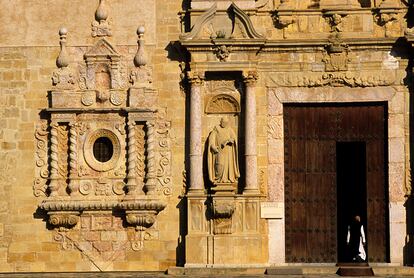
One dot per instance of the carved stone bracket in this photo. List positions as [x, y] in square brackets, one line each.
[63, 220]
[222, 210]
[141, 213]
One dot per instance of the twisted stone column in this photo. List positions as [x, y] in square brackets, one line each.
[132, 158]
[250, 153]
[196, 155]
[73, 159]
[151, 175]
[54, 160]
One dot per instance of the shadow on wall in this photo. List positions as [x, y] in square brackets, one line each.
[180, 250]
[409, 243]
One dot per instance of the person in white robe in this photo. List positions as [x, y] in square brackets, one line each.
[356, 240]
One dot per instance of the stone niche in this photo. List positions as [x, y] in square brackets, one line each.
[103, 158]
[224, 225]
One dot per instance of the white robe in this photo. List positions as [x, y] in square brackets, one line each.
[362, 241]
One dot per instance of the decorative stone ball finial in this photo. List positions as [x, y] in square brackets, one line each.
[62, 59]
[140, 59]
[101, 13]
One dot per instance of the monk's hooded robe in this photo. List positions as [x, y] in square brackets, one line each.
[223, 166]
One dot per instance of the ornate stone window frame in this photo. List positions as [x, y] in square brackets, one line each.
[88, 150]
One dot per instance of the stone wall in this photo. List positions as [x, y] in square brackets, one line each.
[28, 51]
[293, 66]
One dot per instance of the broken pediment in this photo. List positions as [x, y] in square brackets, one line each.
[102, 48]
[232, 23]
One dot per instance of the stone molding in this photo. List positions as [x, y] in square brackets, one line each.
[334, 79]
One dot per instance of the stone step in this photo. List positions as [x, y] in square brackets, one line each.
[355, 271]
[216, 271]
[302, 270]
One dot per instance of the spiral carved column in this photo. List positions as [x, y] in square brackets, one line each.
[132, 159]
[73, 159]
[54, 161]
[151, 177]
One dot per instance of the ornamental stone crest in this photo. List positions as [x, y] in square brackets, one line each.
[97, 152]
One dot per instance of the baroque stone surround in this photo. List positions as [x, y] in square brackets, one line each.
[103, 205]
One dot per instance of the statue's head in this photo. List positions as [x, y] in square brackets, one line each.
[224, 122]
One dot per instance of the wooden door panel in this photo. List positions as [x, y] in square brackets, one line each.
[311, 133]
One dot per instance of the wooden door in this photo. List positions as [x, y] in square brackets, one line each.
[311, 134]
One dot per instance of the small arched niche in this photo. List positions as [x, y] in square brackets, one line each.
[223, 104]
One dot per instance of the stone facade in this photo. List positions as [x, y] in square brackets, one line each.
[147, 81]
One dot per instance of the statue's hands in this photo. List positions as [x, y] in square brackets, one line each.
[214, 149]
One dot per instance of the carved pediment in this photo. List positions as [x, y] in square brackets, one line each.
[102, 48]
[234, 23]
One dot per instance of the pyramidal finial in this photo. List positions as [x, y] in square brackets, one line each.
[101, 25]
[62, 59]
[140, 58]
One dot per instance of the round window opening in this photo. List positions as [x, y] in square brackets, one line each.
[103, 149]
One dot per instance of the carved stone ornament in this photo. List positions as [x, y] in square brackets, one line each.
[97, 152]
[101, 25]
[222, 52]
[283, 16]
[334, 79]
[63, 77]
[336, 21]
[141, 75]
[141, 213]
[222, 27]
[42, 171]
[223, 210]
[336, 57]
[385, 18]
[223, 104]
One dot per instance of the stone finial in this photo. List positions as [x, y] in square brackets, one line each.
[141, 75]
[101, 25]
[140, 58]
[63, 77]
[101, 13]
[62, 59]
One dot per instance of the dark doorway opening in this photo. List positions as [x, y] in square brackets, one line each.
[351, 189]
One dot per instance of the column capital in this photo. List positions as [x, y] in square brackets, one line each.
[250, 77]
[196, 78]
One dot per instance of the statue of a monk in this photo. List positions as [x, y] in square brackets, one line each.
[223, 164]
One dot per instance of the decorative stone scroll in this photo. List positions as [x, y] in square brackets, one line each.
[216, 26]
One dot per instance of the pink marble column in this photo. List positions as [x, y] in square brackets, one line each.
[196, 153]
[250, 153]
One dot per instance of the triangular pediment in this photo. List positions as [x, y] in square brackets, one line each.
[102, 48]
[233, 24]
